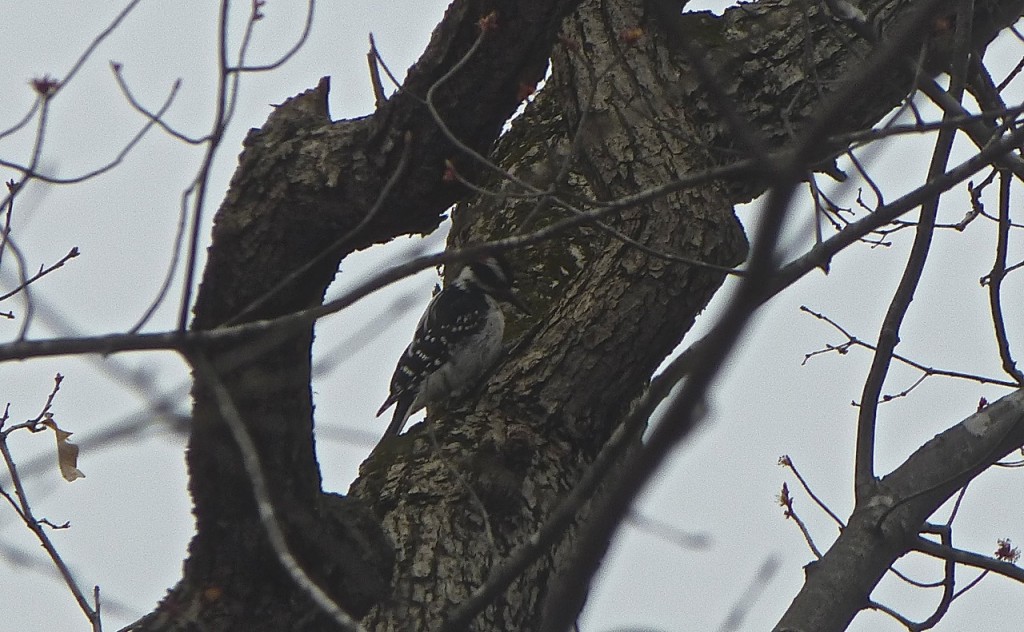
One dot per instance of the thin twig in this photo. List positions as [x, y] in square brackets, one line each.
[206, 373]
[788, 462]
[668, 532]
[199, 185]
[42, 272]
[23, 121]
[447, 132]
[971, 584]
[30, 171]
[902, 620]
[383, 64]
[948, 587]
[995, 281]
[786, 501]
[968, 558]
[755, 588]
[12, 188]
[21, 265]
[913, 582]
[226, 101]
[37, 150]
[172, 268]
[24, 511]
[372, 56]
[786, 276]
[155, 117]
[927, 371]
[94, 44]
[295, 48]
[888, 338]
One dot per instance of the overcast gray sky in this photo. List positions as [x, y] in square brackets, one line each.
[130, 517]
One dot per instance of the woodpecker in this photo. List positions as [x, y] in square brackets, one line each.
[457, 340]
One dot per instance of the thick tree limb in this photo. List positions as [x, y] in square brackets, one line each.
[598, 112]
[621, 116]
[885, 526]
[302, 185]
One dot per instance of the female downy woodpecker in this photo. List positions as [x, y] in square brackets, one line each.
[457, 340]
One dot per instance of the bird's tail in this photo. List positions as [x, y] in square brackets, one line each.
[402, 413]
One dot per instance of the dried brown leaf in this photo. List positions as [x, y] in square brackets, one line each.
[67, 452]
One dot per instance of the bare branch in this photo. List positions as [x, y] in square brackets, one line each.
[30, 171]
[250, 458]
[12, 187]
[42, 272]
[785, 277]
[227, 86]
[995, 281]
[927, 371]
[888, 338]
[372, 59]
[786, 502]
[155, 117]
[947, 552]
[788, 462]
[295, 48]
[87, 53]
[290, 278]
[669, 532]
[24, 511]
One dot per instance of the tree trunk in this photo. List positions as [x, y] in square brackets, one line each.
[627, 110]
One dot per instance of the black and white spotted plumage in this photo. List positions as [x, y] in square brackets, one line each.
[457, 340]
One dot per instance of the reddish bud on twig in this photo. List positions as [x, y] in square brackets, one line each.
[450, 174]
[488, 22]
[45, 85]
[785, 500]
[1006, 552]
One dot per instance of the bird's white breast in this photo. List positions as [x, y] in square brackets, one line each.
[469, 361]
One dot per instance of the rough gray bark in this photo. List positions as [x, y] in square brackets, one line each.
[304, 183]
[607, 313]
[629, 114]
